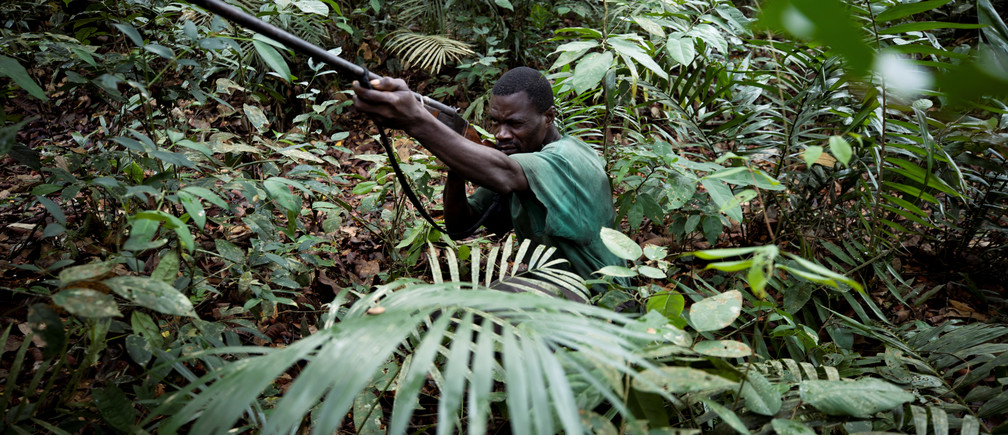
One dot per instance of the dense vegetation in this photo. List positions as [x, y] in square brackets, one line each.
[200, 236]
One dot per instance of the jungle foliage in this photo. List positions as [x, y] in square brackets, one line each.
[201, 237]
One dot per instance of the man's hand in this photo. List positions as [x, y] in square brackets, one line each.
[390, 102]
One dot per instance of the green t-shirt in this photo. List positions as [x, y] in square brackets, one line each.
[568, 204]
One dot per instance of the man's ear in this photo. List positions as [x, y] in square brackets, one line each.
[550, 114]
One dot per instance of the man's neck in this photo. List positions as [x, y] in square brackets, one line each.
[552, 136]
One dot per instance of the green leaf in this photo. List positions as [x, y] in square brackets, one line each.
[505, 4]
[256, 117]
[670, 304]
[173, 158]
[589, 71]
[160, 50]
[619, 244]
[760, 395]
[826, 21]
[8, 139]
[655, 252]
[907, 9]
[715, 254]
[208, 195]
[367, 413]
[926, 25]
[85, 272]
[727, 415]
[636, 52]
[272, 57]
[168, 268]
[791, 427]
[185, 237]
[723, 197]
[139, 349]
[679, 380]
[824, 275]
[54, 209]
[280, 192]
[46, 324]
[153, 294]
[717, 311]
[313, 7]
[10, 67]
[194, 207]
[115, 407]
[859, 398]
[840, 149]
[230, 251]
[617, 271]
[141, 234]
[88, 303]
[572, 51]
[723, 348]
[681, 50]
[145, 326]
[710, 36]
[651, 272]
[811, 155]
[649, 25]
[131, 33]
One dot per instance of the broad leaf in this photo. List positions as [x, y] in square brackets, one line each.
[85, 272]
[791, 427]
[271, 57]
[723, 348]
[589, 71]
[153, 294]
[621, 245]
[717, 311]
[10, 67]
[859, 398]
[679, 380]
[760, 395]
[85, 302]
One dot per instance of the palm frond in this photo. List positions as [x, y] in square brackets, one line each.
[534, 271]
[429, 52]
[539, 340]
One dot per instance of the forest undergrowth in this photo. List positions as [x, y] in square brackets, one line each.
[200, 235]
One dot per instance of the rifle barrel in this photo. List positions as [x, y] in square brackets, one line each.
[299, 45]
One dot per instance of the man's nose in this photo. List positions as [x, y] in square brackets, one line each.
[503, 133]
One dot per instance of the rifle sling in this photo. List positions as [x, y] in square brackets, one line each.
[408, 191]
[413, 199]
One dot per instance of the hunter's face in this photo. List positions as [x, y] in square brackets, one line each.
[516, 125]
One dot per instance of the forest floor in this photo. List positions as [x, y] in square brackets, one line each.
[971, 288]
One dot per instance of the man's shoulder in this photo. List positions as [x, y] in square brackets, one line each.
[567, 142]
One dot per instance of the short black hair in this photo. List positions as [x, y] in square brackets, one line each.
[523, 78]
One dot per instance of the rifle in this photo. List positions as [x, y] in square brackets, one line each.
[447, 115]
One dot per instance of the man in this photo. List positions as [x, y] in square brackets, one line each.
[553, 187]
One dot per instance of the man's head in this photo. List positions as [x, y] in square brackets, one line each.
[522, 111]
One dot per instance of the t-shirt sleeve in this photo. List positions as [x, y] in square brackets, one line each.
[567, 185]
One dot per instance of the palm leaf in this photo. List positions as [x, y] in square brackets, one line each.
[429, 52]
[548, 277]
[532, 334]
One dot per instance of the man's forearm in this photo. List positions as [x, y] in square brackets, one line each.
[458, 215]
[474, 162]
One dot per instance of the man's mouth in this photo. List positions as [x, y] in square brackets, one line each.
[507, 148]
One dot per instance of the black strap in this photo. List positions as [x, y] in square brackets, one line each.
[410, 194]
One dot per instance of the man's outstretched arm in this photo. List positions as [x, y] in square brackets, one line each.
[392, 104]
